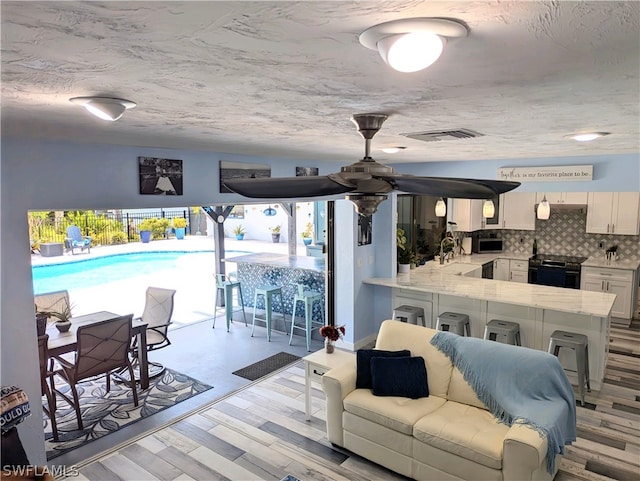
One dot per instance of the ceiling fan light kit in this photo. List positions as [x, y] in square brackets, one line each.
[412, 44]
[367, 181]
[105, 108]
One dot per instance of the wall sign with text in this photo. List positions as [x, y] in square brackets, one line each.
[562, 173]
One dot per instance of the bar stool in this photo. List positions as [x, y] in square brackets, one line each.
[454, 322]
[503, 331]
[228, 287]
[409, 314]
[580, 345]
[268, 293]
[307, 298]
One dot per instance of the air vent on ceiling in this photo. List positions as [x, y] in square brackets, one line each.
[436, 135]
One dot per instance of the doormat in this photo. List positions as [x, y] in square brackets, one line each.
[266, 366]
[106, 412]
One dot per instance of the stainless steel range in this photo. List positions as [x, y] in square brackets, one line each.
[555, 270]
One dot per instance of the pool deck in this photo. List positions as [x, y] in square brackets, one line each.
[193, 282]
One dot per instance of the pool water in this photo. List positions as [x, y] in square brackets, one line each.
[101, 270]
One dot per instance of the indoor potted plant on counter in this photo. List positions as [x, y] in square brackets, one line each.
[331, 335]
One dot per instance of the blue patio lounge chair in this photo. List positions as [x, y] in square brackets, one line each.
[75, 240]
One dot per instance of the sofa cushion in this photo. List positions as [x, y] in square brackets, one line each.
[363, 364]
[398, 413]
[464, 430]
[461, 391]
[395, 335]
[399, 376]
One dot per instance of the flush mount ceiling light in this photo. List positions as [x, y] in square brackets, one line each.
[392, 150]
[105, 108]
[586, 136]
[544, 209]
[412, 44]
[441, 208]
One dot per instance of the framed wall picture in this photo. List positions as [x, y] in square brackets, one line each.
[306, 171]
[233, 170]
[160, 176]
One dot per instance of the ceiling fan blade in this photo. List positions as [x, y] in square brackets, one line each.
[450, 187]
[286, 187]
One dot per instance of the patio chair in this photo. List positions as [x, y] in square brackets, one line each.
[46, 376]
[103, 348]
[75, 240]
[158, 309]
[56, 301]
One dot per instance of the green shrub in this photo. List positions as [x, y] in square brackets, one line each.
[158, 227]
[118, 238]
[179, 222]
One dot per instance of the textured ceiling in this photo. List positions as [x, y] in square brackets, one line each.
[283, 78]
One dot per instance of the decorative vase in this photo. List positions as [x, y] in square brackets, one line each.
[329, 346]
[306, 240]
[180, 232]
[275, 238]
[63, 326]
[404, 268]
[239, 236]
[145, 236]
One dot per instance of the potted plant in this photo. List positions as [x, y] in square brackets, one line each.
[145, 228]
[307, 233]
[331, 334]
[153, 228]
[238, 231]
[62, 317]
[275, 233]
[405, 257]
[180, 225]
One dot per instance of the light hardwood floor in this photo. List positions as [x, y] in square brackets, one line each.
[260, 432]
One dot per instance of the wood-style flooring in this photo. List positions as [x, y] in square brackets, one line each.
[260, 432]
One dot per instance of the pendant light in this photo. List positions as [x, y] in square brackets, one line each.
[488, 209]
[441, 208]
[544, 209]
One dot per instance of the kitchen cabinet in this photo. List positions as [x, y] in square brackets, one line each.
[518, 210]
[613, 213]
[519, 271]
[614, 281]
[466, 213]
[555, 198]
[501, 269]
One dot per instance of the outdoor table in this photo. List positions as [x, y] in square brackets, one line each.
[64, 342]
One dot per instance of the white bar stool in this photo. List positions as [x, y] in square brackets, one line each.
[506, 332]
[409, 314]
[580, 345]
[454, 322]
[307, 298]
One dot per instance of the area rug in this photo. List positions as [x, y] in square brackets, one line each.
[105, 412]
[266, 366]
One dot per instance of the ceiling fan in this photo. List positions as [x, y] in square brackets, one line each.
[367, 181]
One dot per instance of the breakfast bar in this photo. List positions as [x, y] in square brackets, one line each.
[539, 310]
[260, 269]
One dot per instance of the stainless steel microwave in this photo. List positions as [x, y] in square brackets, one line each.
[487, 245]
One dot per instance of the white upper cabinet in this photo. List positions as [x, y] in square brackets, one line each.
[613, 213]
[555, 198]
[466, 213]
[518, 210]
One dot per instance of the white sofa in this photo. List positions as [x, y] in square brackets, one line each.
[449, 435]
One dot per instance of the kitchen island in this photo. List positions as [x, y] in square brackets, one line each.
[539, 310]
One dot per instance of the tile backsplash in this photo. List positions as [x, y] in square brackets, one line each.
[564, 233]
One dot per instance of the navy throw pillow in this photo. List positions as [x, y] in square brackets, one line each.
[399, 376]
[363, 364]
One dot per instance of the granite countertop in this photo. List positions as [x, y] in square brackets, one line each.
[438, 281]
[280, 260]
[600, 261]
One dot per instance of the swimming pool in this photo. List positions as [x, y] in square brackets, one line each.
[101, 270]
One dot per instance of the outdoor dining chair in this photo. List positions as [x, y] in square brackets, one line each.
[46, 377]
[103, 348]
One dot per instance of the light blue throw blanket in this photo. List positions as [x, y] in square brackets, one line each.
[518, 385]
